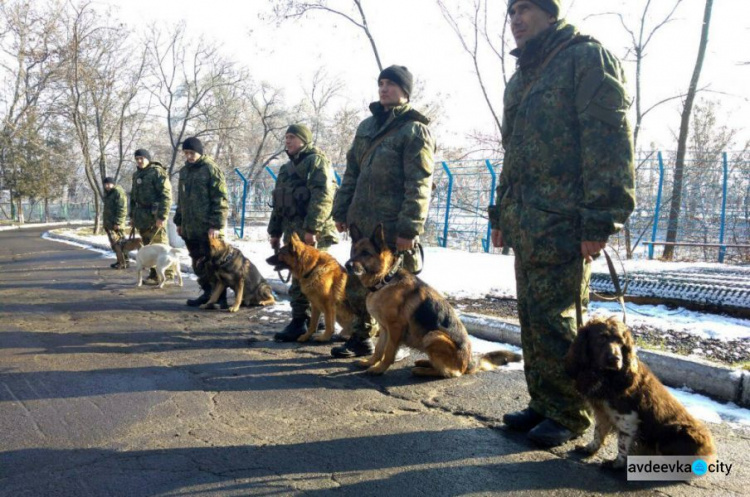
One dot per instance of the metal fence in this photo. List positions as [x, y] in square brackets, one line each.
[714, 217]
[58, 211]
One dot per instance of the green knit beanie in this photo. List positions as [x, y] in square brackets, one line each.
[301, 131]
[550, 6]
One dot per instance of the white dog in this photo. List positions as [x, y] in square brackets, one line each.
[160, 256]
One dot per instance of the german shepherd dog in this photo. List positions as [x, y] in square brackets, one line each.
[226, 266]
[412, 313]
[122, 247]
[323, 281]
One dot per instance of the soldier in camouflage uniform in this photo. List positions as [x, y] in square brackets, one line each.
[388, 180]
[302, 201]
[202, 207]
[150, 201]
[115, 212]
[566, 186]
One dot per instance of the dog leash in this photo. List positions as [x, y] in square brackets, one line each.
[278, 271]
[619, 294]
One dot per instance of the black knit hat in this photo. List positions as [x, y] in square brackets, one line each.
[550, 6]
[142, 152]
[301, 131]
[399, 75]
[108, 179]
[193, 144]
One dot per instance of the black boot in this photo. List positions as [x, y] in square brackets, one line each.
[222, 302]
[153, 278]
[550, 433]
[295, 329]
[202, 298]
[354, 347]
[522, 420]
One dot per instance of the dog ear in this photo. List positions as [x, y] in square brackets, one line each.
[629, 359]
[355, 233]
[577, 358]
[378, 238]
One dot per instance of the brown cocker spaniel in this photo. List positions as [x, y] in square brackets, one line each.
[627, 397]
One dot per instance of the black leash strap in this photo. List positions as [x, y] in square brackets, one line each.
[619, 291]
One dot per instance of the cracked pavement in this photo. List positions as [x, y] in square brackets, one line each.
[107, 390]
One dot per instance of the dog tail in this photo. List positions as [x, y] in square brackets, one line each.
[492, 360]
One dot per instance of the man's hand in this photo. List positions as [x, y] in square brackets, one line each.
[590, 249]
[310, 238]
[403, 244]
[275, 242]
[213, 233]
[341, 227]
[497, 238]
[159, 223]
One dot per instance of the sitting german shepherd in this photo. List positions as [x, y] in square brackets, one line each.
[226, 266]
[323, 281]
[412, 313]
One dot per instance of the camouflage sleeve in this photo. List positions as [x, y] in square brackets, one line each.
[276, 223]
[132, 197]
[322, 185]
[178, 210]
[121, 207]
[164, 187]
[218, 200]
[345, 193]
[511, 100]
[419, 164]
[606, 145]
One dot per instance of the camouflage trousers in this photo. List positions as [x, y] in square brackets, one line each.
[156, 235]
[300, 304]
[199, 250]
[546, 309]
[364, 326]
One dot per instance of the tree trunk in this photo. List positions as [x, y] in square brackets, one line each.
[19, 210]
[679, 167]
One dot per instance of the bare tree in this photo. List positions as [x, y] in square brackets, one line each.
[185, 72]
[102, 81]
[322, 90]
[295, 9]
[675, 204]
[270, 117]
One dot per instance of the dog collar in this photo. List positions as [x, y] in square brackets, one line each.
[388, 277]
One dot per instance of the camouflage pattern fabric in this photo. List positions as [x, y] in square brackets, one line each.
[201, 200]
[391, 184]
[568, 176]
[310, 169]
[547, 314]
[115, 208]
[150, 198]
[394, 183]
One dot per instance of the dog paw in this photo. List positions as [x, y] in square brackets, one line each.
[376, 370]
[233, 309]
[363, 363]
[303, 338]
[321, 339]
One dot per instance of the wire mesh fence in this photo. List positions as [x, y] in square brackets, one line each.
[714, 218]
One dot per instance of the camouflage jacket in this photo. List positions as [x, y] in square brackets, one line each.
[150, 196]
[115, 207]
[568, 173]
[202, 201]
[308, 172]
[392, 183]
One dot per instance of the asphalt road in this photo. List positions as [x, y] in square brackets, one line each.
[111, 390]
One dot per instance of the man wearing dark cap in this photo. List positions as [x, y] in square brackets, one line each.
[150, 201]
[115, 212]
[566, 186]
[388, 180]
[202, 207]
[302, 201]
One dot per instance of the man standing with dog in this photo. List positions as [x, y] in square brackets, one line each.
[150, 201]
[202, 208]
[302, 202]
[566, 186]
[388, 180]
[115, 213]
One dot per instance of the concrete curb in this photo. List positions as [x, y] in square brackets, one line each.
[716, 381]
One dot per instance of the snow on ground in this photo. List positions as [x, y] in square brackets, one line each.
[475, 275]
[41, 225]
